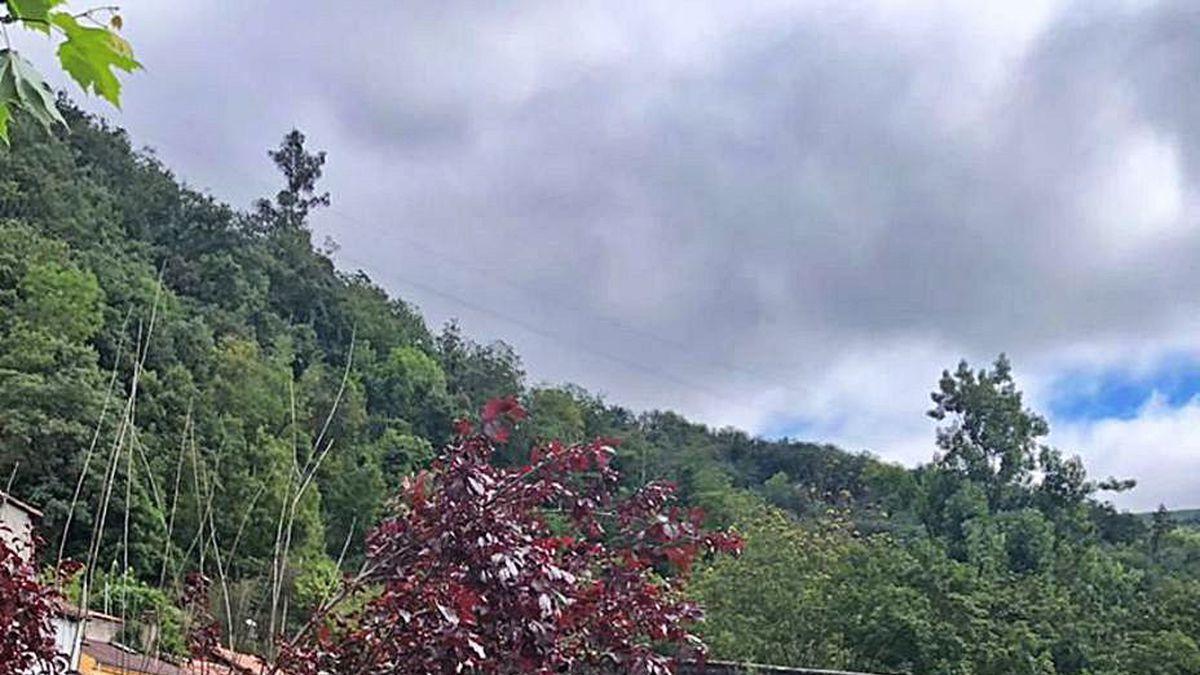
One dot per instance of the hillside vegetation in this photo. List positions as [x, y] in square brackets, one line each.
[188, 386]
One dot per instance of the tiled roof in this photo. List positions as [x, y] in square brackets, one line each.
[225, 662]
[247, 663]
[229, 663]
[201, 667]
[71, 610]
[130, 661]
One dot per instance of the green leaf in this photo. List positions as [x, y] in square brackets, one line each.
[90, 54]
[22, 87]
[34, 13]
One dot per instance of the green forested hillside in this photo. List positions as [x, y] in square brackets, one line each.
[234, 403]
[1180, 516]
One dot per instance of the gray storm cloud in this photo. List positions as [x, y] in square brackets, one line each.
[772, 215]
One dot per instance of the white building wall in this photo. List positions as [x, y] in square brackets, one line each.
[16, 528]
[68, 639]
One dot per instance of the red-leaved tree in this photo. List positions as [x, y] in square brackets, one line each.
[202, 630]
[26, 608]
[542, 568]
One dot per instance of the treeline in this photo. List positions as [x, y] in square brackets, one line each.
[235, 404]
[997, 557]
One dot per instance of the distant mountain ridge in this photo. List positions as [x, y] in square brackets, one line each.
[1181, 516]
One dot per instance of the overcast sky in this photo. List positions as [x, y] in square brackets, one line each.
[783, 216]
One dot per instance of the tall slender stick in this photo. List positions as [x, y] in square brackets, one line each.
[187, 421]
[87, 458]
[287, 517]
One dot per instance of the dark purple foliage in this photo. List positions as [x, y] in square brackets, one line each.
[541, 568]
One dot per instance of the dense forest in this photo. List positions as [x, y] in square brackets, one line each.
[186, 386]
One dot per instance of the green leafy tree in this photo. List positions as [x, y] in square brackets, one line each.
[477, 373]
[778, 490]
[301, 170]
[50, 383]
[1160, 526]
[255, 453]
[408, 391]
[1168, 652]
[773, 604]
[554, 414]
[991, 438]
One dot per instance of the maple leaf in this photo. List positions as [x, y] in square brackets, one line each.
[33, 13]
[21, 87]
[90, 54]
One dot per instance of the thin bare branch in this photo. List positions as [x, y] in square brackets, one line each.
[87, 458]
[187, 422]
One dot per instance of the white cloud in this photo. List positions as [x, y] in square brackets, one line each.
[1139, 198]
[1160, 447]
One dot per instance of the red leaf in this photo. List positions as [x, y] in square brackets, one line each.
[484, 583]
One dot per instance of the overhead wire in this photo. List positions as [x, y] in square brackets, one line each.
[494, 275]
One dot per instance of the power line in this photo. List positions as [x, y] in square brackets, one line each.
[496, 275]
[543, 299]
[635, 366]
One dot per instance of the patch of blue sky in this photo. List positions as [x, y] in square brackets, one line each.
[1122, 393]
[787, 426]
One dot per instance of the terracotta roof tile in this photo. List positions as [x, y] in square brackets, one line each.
[129, 660]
